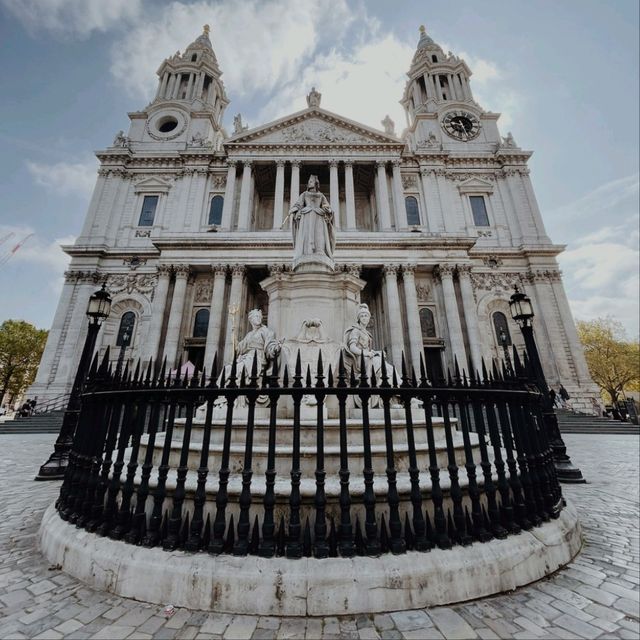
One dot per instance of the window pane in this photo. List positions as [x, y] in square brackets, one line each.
[501, 327]
[148, 212]
[427, 324]
[480, 217]
[215, 210]
[413, 213]
[125, 331]
[201, 324]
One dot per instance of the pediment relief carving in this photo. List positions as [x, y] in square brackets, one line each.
[474, 185]
[314, 128]
[152, 184]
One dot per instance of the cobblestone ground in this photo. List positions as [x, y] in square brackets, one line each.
[596, 596]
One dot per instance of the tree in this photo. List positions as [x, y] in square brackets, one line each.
[21, 347]
[614, 362]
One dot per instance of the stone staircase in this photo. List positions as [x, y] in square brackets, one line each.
[39, 423]
[570, 422]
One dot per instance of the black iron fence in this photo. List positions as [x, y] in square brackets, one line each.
[398, 463]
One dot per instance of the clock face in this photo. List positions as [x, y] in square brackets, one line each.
[461, 125]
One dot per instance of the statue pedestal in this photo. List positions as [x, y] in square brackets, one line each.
[331, 298]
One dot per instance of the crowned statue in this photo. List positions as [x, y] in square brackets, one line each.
[314, 237]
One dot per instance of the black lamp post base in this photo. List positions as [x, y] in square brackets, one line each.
[567, 472]
[55, 467]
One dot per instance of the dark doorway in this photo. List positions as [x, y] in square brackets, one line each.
[433, 359]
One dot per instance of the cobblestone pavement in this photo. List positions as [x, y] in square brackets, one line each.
[596, 596]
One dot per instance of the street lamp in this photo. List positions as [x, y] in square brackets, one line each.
[504, 341]
[124, 343]
[97, 311]
[522, 313]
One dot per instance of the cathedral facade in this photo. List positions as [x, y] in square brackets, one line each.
[440, 221]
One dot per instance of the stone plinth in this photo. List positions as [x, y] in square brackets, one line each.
[332, 298]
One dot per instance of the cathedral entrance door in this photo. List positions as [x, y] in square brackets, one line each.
[433, 360]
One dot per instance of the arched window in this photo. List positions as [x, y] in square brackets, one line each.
[501, 328]
[413, 213]
[125, 331]
[215, 210]
[201, 324]
[427, 324]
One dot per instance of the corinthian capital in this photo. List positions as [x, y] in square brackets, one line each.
[444, 271]
[182, 270]
[409, 270]
[219, 269]
[237, 270]
[391, 269]
[464, 270]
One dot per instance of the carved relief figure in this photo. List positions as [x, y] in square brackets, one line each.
[313, 225]
[260, 340]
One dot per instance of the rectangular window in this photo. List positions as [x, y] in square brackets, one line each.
[148, 212]
[479, 209]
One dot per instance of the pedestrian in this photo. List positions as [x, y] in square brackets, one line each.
[552, 395]
[564, 396]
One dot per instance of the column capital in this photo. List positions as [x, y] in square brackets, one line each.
[391, 269]
[333, 163]
[232, 163]
[425, 171]
[396, 163]
[464, 270]
[280, 162]
[275, 269]
[352, 269]
[444, 272]
[164, 270]
[409, 270]
[381, 163]
[182, 270]
[247, 163]
[237, 270]
[348, 162]
[219, 269]
[295, 162]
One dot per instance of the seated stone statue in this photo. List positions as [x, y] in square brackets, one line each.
[358, 342]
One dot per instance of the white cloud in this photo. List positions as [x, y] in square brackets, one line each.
[259, 45]
[64, 178]
[73, 18]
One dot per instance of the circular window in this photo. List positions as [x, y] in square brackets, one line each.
[167, 124]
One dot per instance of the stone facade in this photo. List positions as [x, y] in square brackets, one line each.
[440, 223]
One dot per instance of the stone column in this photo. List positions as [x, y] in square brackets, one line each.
[190, 85]
[445, 273]
[349, 196]
[278, 200]
[152, 343]
[215, 316]
[398, 196]
[393, 313]
[175, 315]
[229, 195]
[383, 191]
[244, 214]
[294, 192]
[471, 318]
[235, 302]
[334, 191]
[413, 315]
[428, 86]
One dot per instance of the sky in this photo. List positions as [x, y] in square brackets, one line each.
[563, 74]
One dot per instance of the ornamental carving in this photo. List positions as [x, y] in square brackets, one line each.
[493, 262]
[276, 269]
[319, 131]
[504, 282]
[202, 293]
[423, 291]
[133, 262]
[219, 181]
[409, 180]
[237, 270]
[219, 269]
[93, 277]
[130, 283]
[484, 234]
[352, 269]
[444, 271]
[182, 270]
[547, 275]
[391, 269]
[143, 233]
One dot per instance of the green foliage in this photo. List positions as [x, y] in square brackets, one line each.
[614, 362]
[21, 347]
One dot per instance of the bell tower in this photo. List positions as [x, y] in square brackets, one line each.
[189, 102]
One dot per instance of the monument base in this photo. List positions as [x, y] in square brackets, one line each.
[308, 586]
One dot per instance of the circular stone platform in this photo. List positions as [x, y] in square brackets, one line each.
[310, 587]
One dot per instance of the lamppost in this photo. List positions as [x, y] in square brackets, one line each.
[54, 468]
[124, 343]
[522, 313]
[504, 341]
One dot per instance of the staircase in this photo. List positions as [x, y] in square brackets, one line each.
[570, 422]
[39, 423]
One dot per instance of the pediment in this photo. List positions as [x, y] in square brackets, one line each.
[313, 127]
[152, 185]
[475, 185]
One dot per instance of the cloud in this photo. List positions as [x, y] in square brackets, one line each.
[64, 178]
[259, 45]
[73, 18]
